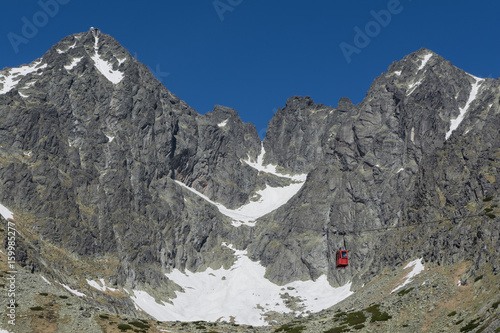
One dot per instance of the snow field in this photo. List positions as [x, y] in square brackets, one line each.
[241, 292]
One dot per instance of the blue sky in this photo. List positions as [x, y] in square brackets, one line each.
[254, 54]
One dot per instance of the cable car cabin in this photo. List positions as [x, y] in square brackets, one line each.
[342, 258]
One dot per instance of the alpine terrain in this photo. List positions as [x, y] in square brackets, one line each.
[123, 209]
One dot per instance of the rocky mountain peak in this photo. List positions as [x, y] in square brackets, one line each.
[344, 105]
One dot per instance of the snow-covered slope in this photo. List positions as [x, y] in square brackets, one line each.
[241, 292]
[267, 200]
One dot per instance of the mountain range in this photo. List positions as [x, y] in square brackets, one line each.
[132, 209]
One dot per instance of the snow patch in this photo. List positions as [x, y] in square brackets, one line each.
[223, 124]
[5, 212]
[270, 199]
[101, 287]
[241, 292]
[69, 48]
[418, 268]
[110, 138]
[73, 291]
[271, 168]
[73, 64]
[23, 95]
[103, 66]
[106, 69]
[398, 73]
[472, 96]
[425, 60]
[44, 279]
[413, 86]
[15, 75]
[264, 201]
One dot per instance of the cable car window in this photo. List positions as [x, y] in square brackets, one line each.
[344, 254]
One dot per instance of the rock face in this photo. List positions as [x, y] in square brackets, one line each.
[93, 147]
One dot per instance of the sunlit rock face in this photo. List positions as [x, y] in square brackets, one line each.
[112, 178]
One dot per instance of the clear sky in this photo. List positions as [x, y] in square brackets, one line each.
[254, 54]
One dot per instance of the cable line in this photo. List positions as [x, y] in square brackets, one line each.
[380, 228]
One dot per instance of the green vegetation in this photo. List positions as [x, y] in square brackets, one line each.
[452, 313]
[36, 308]
[124, 327]
[338, 315]
[63, 297]
[139, 324]
[354, 318]
[290, 328]
[481, 329]
[470, 326]
[478, 278]
[405, 291]
[103, 316]
[488, 199]
[358, 327]
[495, 305]
[377, 315]
[44, 294]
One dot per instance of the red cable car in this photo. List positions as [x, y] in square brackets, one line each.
[342, 258]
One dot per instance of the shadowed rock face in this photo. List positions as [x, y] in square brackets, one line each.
[90, 167]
